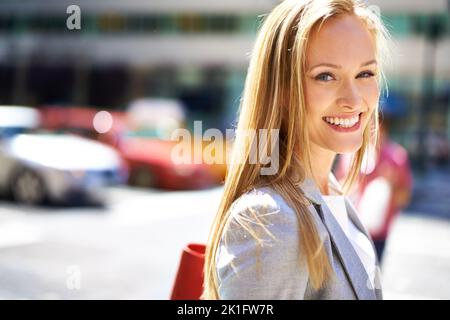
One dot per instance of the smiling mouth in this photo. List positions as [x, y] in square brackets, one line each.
[343, 122]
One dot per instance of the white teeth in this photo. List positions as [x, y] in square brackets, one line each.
[346, 123]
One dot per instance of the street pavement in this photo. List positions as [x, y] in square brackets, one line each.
[130, 248]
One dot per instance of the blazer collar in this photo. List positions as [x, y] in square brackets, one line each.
[312, 192]
[350, 260]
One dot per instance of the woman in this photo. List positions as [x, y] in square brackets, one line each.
[314, 80]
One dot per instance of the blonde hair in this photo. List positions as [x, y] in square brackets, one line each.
[273, 99]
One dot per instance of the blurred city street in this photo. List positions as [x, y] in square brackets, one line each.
[418, 260]
[130, 248]
[135, 106]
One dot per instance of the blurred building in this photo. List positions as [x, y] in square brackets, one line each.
[195, 50]
[419, 75]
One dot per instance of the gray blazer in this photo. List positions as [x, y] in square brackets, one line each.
[273, 268]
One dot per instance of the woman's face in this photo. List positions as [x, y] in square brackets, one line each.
[341, 87]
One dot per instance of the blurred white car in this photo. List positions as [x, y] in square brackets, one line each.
[35, 167]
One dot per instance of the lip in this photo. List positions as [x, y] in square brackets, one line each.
[344, 116]
[342, 129]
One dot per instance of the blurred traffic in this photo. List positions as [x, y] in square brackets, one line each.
[142, 136]
[61, 154]
[38, 166]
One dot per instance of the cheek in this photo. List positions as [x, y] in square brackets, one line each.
[371, 94]
[320, 98]
[317, 100]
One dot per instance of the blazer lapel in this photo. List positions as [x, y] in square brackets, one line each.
[352, 212]
[348, 256]
[351, 263]
[354, 217]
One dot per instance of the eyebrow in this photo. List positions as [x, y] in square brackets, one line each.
[335, 66]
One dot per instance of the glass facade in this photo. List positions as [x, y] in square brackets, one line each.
[399, 25]
[140, 23]
[180, 81]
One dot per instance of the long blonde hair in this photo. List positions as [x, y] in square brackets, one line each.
[273, 99]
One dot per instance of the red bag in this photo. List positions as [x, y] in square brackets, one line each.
[189, 280]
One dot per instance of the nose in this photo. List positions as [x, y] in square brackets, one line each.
[349, 97]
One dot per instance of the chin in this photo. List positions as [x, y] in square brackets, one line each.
[347, 147]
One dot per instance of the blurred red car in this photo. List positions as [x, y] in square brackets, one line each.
[151, 121]
[150, 163]
[146, 151]
[104, 126]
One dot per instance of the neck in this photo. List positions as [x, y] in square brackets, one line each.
[322, 162]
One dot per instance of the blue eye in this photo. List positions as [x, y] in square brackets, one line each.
[325, 76]
[365, 74]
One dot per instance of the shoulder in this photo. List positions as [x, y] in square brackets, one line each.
[263, 198]
[262, 207]
[258, 254]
